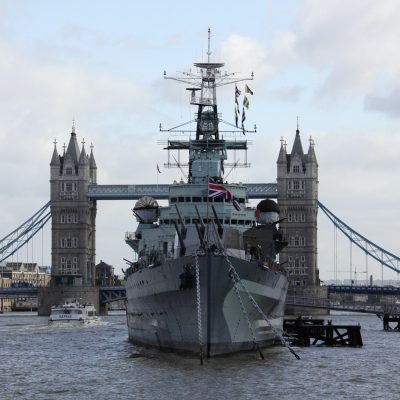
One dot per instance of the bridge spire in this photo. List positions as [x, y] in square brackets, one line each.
[55, 159]
[297, 146]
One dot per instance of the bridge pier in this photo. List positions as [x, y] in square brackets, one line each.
[50, 296]
[103, 309]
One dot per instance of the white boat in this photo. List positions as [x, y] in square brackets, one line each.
[73, 311]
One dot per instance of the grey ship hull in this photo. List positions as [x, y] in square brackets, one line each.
[162, 306]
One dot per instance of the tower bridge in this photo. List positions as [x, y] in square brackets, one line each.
[73, 208]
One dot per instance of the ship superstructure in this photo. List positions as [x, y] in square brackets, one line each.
[206, 277]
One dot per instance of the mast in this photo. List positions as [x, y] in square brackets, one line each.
[208, 147]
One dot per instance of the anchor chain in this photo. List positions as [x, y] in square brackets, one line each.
[247, 319]
[236, 279]
[199, 327]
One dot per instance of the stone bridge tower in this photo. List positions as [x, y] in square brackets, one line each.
[73, 215]
[297, 178]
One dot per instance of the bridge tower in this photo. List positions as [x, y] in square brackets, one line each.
[297, 178]
[73, 215]
[73, 226]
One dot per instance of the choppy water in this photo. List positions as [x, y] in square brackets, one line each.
[95, 361]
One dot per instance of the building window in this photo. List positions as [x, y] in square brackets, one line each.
[296, 168]
[68, 266]
[68, 171]
[62, 265]
[69, 218]
[69, 190]
[296, 185]
[303, 217]
[69, 243]
[290, 217]
[297, 241]
[75, 265]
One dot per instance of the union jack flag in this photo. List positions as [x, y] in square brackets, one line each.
[215, 190]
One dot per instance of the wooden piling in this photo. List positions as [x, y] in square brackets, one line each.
[307, 332]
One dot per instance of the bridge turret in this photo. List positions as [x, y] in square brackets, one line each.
[297, 177]
[93, 166]
[55, 163]
[282, 159]
[73, 216]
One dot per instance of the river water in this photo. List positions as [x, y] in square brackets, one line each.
[96, 361]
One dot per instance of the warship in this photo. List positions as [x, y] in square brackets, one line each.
[206, 278]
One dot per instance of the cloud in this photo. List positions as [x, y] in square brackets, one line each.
[352, 44]
[388, 103]
[248, 55]
[38, 102]
[289, 94]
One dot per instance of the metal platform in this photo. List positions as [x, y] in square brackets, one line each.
[160, 192]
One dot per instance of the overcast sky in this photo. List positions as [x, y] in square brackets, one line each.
[334, 64]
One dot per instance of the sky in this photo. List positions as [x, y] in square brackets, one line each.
[333, 64]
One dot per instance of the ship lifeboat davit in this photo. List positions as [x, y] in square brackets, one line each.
[267, 212]
[146, 210]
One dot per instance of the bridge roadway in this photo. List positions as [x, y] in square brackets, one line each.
[341, 305]
[352, 289]
[160, 192]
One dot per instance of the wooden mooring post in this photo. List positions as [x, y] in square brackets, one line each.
[306, 332]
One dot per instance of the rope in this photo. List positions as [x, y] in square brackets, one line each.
[200, 333]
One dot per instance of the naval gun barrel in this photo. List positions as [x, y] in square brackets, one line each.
[200, 234]
[202, 226]
[180, 238]
[220, 228]
[183, 226]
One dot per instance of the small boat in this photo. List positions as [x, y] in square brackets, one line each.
[73, 311]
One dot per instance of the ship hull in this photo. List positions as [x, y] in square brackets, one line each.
[162, 308]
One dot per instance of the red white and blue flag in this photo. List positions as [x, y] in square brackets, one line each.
[217, 190]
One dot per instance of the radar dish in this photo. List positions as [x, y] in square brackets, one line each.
[146, 202]
[209, 65]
